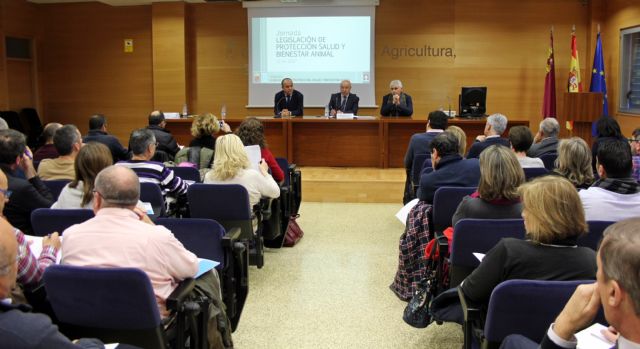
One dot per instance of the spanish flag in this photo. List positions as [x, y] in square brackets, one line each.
[575, 82]
[549, 102]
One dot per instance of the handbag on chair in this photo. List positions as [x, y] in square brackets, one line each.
[294, 233]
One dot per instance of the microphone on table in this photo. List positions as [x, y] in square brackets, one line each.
[449, 101]
[277, 116]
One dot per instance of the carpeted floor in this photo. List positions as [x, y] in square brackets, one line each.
[331, 290]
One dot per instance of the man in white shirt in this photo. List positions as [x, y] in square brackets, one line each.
[616, 195]
[617, 290]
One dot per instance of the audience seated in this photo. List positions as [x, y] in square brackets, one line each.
[68, 142]
[546, 140]
[615, 196]
[120, 235]
[98, 133]
[29, 193]
[30, 267]
[607, 129]
[47, 150]
[201, 148]
[231, 166]
[91, 159]
[574, 162]
[521, 139]
[616, 290]
[19, 328]
[553, 219]
[635, 150]
[166, 142]
[251, 132]
[462, 138]
[419, 144]
[450, 169]
[495, 126]
[497, 195]
[143, 146]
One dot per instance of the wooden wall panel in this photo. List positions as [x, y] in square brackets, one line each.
[18, 18]
[87, 70]
[169, 56]
[620, 14]
[19, 79]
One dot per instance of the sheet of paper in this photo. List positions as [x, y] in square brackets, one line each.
[253, 152]
[171, 115]
[204, 265]
[35, 244]
[404, 211]
[592, 338]
[148, 209]
[111, 345]
[344, 116]
[479, 256]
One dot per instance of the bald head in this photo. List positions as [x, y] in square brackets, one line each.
[8, 265]
[156, 118]
[49, 131]
[118, 186]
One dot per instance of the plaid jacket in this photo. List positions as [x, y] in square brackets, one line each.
[30, 269]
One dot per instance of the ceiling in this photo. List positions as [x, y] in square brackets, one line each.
[115, 2]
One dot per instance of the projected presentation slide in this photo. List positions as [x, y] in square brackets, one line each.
[311, 49]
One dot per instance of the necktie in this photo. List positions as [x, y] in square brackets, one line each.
[344, 103]
[288, 98]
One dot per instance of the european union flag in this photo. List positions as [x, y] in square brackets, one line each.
[598, 83]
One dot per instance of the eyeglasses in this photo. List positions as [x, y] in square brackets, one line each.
[6, 193]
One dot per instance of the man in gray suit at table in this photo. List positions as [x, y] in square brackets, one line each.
[617, 290]
[344, 101]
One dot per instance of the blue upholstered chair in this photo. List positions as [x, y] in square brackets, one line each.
[47, 220]
[445, 203]
[151, 193]
[55, 186]
[187, 173]
[549, 160]
[478, 235]
[533, 172]
[206, 238]
[525, 307]
[119, 305]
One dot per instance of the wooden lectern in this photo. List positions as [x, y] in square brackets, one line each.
[583, 109]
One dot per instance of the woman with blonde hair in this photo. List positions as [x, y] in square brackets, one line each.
[553, 219]
[574, 162]
[231, 166]
[91, 159]
[203, 129]
[497, 195]
[462, 138]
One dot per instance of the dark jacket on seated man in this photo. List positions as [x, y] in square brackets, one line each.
[405, 108]
[420, 142]
[27, 196]
[295, 103]
[451, 171]
[546, 146]
[21, 329]
[478, 147]
[166, 142]
[350, 105]
[118, 152]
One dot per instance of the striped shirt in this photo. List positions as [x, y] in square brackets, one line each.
[30, 269]
[158, 173]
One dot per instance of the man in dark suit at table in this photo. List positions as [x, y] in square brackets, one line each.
[288, 102]
[617, 290]
[344, 101]
[495, 126]
[98, 133]
[396, 103]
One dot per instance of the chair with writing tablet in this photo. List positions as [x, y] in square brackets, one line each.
[206, 238]
[48, 220]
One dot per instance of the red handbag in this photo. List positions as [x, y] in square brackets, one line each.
[294, 232]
